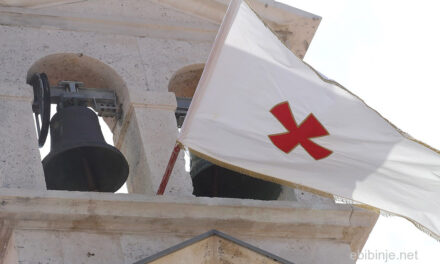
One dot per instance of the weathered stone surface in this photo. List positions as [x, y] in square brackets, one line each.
[163, 58]
[22, 47]
[82, 247]
[298, 251]
[10, 255]
[37, 246]
[131, 18]
[20, 162]
[137, 247]
[139, 180]
[34, 246]
[158, 132]
[180, 183]
[311, 199]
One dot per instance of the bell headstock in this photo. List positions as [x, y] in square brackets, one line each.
[41, 105]
[67, 93]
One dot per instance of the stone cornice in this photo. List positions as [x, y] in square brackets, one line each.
[294, 27]
[41, 18]
[35, 3]
[130, 213]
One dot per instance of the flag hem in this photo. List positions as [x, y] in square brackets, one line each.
[307, 189]
[401, 132]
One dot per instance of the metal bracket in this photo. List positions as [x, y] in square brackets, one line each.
[181, 110]
[68, 93]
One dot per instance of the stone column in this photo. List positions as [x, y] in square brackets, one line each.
[20, 161]
[146, 137]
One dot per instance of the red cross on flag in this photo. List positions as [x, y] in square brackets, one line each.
[260, 109]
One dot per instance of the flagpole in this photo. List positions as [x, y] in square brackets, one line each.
[169, 169]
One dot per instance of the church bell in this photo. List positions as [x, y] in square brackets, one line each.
[210, 180]
[79, 159]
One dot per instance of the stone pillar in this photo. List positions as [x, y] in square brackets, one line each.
[20, 161]
[146, 137]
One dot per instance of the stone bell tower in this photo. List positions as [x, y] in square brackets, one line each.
[150, 55]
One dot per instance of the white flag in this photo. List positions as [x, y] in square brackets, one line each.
[261, 110]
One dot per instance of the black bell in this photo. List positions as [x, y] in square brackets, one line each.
[80, 159]
[210, 180]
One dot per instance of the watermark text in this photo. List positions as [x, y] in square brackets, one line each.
[384, 255]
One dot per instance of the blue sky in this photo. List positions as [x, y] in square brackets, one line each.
[387, 53]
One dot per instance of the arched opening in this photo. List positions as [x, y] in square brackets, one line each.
[184, 84]
[79, 67]
[210, 180]
[93, 74]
